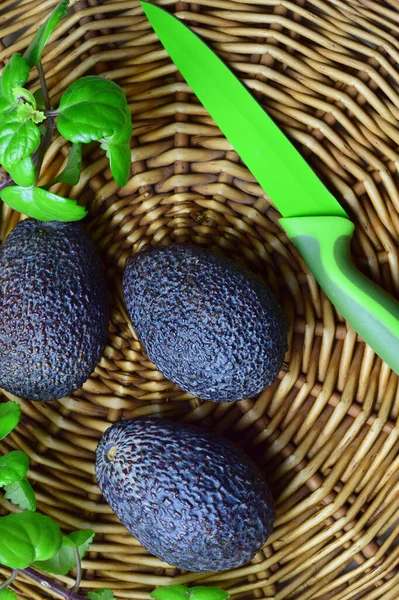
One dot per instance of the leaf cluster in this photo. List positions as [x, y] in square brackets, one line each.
[91, 109]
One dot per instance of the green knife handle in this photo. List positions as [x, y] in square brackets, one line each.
[324, 243]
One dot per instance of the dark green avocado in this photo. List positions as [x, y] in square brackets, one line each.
[189, 496]
[208, 324]
[53, 310]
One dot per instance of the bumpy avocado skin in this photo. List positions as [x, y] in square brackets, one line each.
[53, 310]
[189, 496]
[208, 324]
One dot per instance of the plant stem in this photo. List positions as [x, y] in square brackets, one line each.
[9, 580]
[78, 569]
[44, 146]
[5, 180]
[50, 584]
[43, 85]
[49, 122]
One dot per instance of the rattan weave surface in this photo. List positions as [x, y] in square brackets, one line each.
[326, 433]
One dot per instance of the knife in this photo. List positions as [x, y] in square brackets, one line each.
[311, 216]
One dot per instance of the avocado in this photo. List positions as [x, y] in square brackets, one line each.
[189, 496]
[53, 310]
[207, 323]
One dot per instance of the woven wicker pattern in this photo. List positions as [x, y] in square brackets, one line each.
[326, 433]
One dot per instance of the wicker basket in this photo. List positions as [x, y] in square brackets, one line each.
[325, 433]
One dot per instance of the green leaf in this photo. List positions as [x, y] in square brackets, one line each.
[71, 173]
[101, 594]
[13, 467]
[15, 74]
[21, 494]
[26, 112]
[181, 592]
[17, 139]
[22, 172]
[95, 109]
[7, 595]
[26, 537]
[42, 204]
[65, 559]
[20, 93]
[119, 158]
[170, 592]
[10, 414]
[39, 97]
[207, 593]
[35, 49]
[82, 540]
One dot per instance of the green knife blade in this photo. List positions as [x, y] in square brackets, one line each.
[312, 217]
[273, 160]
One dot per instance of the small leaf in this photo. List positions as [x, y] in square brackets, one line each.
[15, 74]
[207, 593]
[22, 172]
[17, 139]
[35, 49]
[7, 595]
[171, 592]
[119, 158]
[101, 594]
[26, 112]
[20, 93]
[26, 537]
[13, 467]
[21, 494]
[65, 559]
[42, 204]
[82, 539]
[95, 109]
[71, 173]
[39, 97]
[10, 414]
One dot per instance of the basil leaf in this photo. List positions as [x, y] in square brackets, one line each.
[101, 594]
[71, 173]
[42, 204]
[119, 158]
[92, 108]
[20, 93]
[39, 98]
[15, 74]
[82, 540]
[65, 559]
[170, 592]
[10, 414]
[7, 595]
[26, 537]
[22, 172]
[13, 467]
[207, 593]
[95, 109]
[35, 49]
[27, 112]
[21, 494]
[18, 139]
